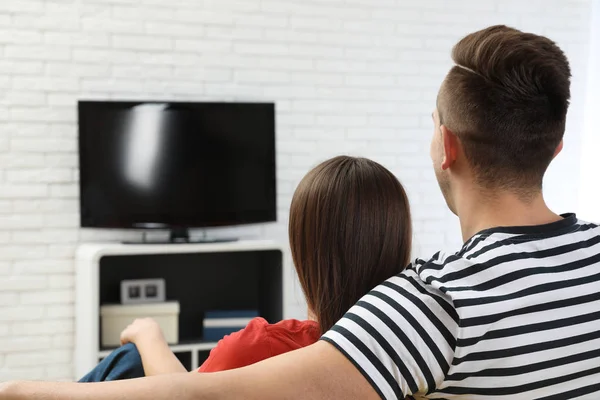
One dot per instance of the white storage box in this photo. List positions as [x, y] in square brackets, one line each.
[115, 318]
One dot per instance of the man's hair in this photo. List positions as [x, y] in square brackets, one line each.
[507, 99]
[350, 230]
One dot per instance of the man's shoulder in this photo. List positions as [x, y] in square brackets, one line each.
[497, 252]
[411, 290]
[412, 280]
[425, 270]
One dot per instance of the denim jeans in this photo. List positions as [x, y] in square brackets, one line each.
[123, 363]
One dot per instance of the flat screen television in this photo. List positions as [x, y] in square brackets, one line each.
[175, 165]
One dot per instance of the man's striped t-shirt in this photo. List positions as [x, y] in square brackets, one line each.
[515, 314]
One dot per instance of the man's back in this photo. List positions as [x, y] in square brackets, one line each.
[515, 313]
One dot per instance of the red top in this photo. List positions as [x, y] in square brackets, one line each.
[259, 341]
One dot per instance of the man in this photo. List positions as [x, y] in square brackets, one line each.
[513, 314]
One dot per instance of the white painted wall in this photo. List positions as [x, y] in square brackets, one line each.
[348, 76]
[589, 201]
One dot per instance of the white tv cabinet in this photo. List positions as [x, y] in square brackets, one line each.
[230, 275]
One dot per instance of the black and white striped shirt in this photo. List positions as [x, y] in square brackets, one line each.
[514, 314]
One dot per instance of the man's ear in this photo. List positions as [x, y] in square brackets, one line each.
[558, 149]
[450, 144]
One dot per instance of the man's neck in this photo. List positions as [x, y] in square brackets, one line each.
[484, 210]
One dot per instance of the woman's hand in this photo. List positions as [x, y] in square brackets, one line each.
[142, 330]
[156, 355]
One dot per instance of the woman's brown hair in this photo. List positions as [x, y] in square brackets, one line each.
[350, 229]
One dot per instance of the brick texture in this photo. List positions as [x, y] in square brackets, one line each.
[349, 76]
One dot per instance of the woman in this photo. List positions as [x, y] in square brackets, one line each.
[349, 230]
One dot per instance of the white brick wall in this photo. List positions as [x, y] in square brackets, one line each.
[348, 76]
[590, 191]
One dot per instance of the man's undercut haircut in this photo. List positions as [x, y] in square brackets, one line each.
[506, 100]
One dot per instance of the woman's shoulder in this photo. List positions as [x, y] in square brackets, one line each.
[291, 333]
[287, 327]
[294, 326]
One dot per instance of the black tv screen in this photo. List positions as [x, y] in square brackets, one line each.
[176, 165]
